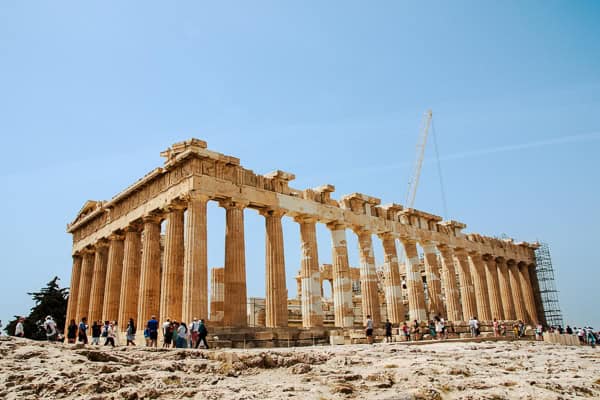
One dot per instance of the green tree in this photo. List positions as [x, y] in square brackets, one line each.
[50, 300]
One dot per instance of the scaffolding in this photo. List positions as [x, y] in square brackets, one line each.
[547, 286]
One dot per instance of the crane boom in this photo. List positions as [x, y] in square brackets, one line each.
[414, 182]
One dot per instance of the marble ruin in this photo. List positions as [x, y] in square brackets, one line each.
[123, 267]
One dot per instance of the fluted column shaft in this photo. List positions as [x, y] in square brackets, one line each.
[276, 310]
[85, 284]
[98, 282]
[130, 279]
[414, 282]
[195, 270]
[451, 292]
[73, 289]
[342, 286]
[217, 295]
[235, 266]
[310, 275]
[493, 284]
[434, 285]
[515, 286]
[535, 284]
[150, 278]
[393, 287]
[114, 273]
[505, 290]
[368, 278]
[467, 291]
[527, 292]
[171, 294]
[480, 285]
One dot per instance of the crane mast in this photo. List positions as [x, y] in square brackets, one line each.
[414, 182]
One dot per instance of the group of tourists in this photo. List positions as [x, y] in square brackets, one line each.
[437, 328]
[586, 335]
[180, 335]
[106, 330]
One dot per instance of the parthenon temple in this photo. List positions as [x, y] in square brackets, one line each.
[125, 267]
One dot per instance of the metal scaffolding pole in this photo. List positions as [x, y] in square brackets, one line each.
[547, 286]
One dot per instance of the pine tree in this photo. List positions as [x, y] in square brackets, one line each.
[50, 300]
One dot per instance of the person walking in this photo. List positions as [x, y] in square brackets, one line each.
[439, 328]
[202, 334]
[194, 332]
[167, 333]
[19, 329]
[539, 331]
[110, 333]
[496, 328]
[388, 331]
[50, 327]
[181, 341]
[96, 332]
[130, 334]
[152, 327]
[406, 331]
[369, 330]
[71, 332]
[83, 331]
[416, 330]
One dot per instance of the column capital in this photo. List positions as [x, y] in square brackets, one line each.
[272, 212]
[134, 226]
[511, 262]
[153, 217]
[176, 205]
[522, 264]
[305, 218]
[76, 255]
[101, 244]
[487, 257]
[361, 230]
[336, 225]
[233, 203]
[408, 240]
[88, 250]
[195, 196]
[115, 236]
[386, 235]
[500, 260]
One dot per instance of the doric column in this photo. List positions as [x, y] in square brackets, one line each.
[310, 275]
[535, 284]
[450, 287]
[150, 279]
[171, 294]
[276, 310]
[130, 279]
[114, 273]
[235, 265]
[515, 286]
[434, 285]
[414, 282]
[368, 278]
[85, 284]
[467, 291]
[217, 295]
[195, 266]
[493, 285]
[480, 285]
[342, 287]
[393, 287]
[73, 289]
[505, 290]
[98, 281]
[527, 292]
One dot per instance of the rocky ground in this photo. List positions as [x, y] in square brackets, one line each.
[449, 370]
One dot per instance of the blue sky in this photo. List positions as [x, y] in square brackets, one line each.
[91, 92]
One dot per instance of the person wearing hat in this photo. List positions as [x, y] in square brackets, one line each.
[19, 329]
[50, 327]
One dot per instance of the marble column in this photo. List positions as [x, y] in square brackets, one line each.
[493, 285]
[276, 310]
[150, 279]
[171, 293]
[393, 287]
[310, 275]
[235, 298]
[527, 292]
[130, 279]
[535, 284]
[85, 284]
[451, 292]
[434, 285]
[480, 285]
[73, 289]
[98, 282]
[368, 278]
[505, 290]
[342, 287]
[467, 291]
[217, 295]
[515, 286]
[114, 273]
[414, 282]
[195, 266]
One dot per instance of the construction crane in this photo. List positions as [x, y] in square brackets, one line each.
[414, 181]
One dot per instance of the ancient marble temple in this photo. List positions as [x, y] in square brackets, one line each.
[124, 267]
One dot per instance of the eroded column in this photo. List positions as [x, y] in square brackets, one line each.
[171, 294]
[130, 279]
[342, 287]
[505, 290]
[393, 287]
[467, 291]
[493, 285]
[368, 278]
[515, 286]
[434, 285]
[527, 292]
[195, 270]
[85, 284]
[480, 286]
[276, 312]
[414, 282]
[533, 278]
[150, 279]
[114, 273]
[73, 289]
[235, 265]
[310, 275]
[98, 281]
[453, 306]
[217, 295]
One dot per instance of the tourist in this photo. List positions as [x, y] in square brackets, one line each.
[50, 328]
[569, 330]
[174, 333]
[539, 329]
[83, 330]
[439, 328]
[194, 333]
[110, 333]
[388, 331]
[167, 334]
[202, 333]
[431, 329]
[416, 330]
[147, 337]
[590, 337]
[369, 330]
[521, 326]
[496, 327]
[19, 329]
[406, 331]
[96, 332]
[474, 326]
[560, 329]
[181, 341]
[71, 332]
[503, 329]
[130, 332]
[152, 326]
[516, 331]
[116, 335]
